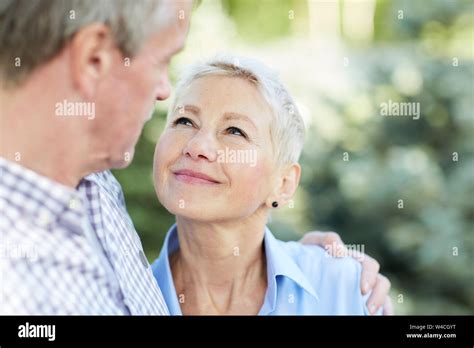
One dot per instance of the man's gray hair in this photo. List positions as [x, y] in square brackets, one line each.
[34, 31]
[287, 129]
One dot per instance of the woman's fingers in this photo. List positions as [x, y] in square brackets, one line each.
[330, 241]
[370, 271]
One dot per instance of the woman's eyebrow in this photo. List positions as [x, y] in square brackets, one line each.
[191, 108]
[237, 116]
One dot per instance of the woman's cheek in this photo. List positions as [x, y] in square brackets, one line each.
[161, 156]
[254, 179]
[168, 147]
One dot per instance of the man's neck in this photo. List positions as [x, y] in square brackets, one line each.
[35, 138]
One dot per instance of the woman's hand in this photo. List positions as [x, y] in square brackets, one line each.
[371, 279]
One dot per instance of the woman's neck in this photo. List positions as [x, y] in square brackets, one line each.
[220, 268]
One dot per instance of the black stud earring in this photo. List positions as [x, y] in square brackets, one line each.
[275, 204]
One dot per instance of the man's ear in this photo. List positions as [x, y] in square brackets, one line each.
[92, 50]
[287, 185]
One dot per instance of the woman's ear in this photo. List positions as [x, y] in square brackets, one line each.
[286, 186]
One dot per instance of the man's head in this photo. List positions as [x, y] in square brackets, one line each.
[111, 55]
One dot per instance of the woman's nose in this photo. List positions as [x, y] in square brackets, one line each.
[201, 146]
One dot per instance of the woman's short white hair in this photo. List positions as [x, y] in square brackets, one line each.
[287, 132]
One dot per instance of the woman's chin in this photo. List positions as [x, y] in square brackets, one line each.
[195, 212]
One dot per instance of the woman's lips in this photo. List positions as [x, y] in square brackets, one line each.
[192, 177]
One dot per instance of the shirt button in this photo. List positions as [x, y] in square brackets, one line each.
[143, 259]
[44, 219]
[75, 204]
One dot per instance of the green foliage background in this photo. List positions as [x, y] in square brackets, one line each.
[427, 247]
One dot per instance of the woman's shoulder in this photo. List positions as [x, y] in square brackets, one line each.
[315, 260]
[336, 281]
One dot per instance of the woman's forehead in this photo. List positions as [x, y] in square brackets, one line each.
[231, 97]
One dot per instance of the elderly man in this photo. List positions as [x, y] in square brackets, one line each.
[78, 81]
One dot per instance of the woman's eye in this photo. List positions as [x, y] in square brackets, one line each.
[184, 121]
[236, 131]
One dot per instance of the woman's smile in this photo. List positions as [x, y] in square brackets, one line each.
[193, 177]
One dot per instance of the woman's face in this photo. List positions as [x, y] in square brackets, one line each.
[215, 159]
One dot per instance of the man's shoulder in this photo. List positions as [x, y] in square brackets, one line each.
[103, 179]
[106, 182]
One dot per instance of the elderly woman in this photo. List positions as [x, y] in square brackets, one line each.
[227, 157]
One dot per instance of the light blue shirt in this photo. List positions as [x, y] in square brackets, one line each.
[302, 279]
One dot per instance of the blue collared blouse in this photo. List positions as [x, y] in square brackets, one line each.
[302, 279]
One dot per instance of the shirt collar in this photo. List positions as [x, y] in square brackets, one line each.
[162, 271]
[44, 200]
[279, 264]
